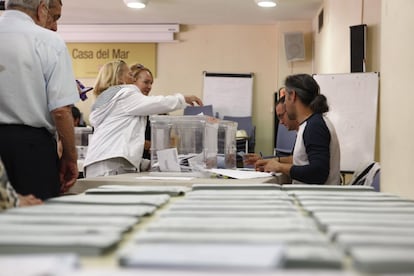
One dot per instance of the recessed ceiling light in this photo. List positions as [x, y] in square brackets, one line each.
[266, 3]
[136, 4]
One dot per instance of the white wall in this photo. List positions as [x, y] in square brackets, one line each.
[390, 47]
[332, 46]
[228, 48]
[372, 17]
[397, 98]
[285, 67]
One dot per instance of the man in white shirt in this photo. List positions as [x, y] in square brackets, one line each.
[37, 88]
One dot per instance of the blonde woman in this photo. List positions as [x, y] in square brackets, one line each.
[143, 79]
[119, 118]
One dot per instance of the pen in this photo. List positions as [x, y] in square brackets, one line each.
[261, 155]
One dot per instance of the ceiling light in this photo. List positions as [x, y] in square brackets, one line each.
[266, 3]
[136, 4]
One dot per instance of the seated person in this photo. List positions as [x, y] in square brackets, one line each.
[251, 158]
[316, 157]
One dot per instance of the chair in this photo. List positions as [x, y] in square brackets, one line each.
[196, 110]
[244, 123]
[368, 175]
[376, 181]
[285, 141]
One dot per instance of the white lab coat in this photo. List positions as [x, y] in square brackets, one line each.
[119, 123]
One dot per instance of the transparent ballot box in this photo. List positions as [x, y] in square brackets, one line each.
[183, 143]
[226, 144]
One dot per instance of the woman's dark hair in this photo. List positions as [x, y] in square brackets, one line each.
[308, 91]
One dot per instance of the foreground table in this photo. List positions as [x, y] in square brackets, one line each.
[147, 178]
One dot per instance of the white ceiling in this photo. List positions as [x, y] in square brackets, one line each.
[193, 12]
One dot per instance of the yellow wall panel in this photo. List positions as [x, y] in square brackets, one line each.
[88, 58]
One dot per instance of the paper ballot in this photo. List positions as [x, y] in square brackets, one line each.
[130, 189]
[239, 257]
[39, 264]
[153, 200]
[239, 174]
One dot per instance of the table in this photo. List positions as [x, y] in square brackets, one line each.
[139, 179]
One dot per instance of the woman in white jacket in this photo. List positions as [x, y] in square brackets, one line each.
[119, 119]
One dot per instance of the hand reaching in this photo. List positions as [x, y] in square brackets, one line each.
[193, 99]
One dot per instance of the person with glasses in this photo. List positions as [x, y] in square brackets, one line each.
[54, 14]
[280, 109]
[33, 111]
[119, 118]
[316, 156]
[281, 114]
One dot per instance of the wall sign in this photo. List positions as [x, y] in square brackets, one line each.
[88, 58]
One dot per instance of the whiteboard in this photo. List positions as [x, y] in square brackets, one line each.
[353, 101]
[230, 94]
